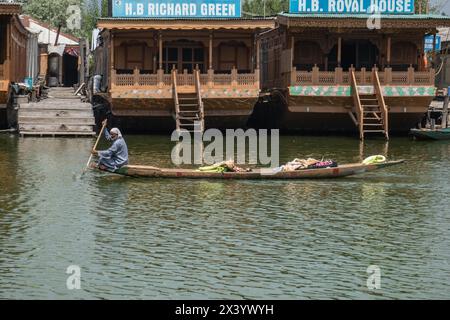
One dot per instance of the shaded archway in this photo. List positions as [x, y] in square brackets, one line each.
[359, 53]
[233, 54]
[403, 54]
[307, 54]
[133, 54]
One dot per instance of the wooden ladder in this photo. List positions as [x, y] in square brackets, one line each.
[371, 110]
[189, 112]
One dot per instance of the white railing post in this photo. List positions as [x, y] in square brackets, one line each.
[338, 75]
[160, 78]
[363, 75]
[315, 75]
[210, 78]
[136, 77]
[294, 76]
[234, 77]
[256, 83]
[410, 75]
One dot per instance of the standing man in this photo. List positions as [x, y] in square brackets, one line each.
[117, 155]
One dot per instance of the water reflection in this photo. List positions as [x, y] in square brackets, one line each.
[138, 238]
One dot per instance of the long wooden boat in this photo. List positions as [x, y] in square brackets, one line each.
[265, 173]
[437, 134]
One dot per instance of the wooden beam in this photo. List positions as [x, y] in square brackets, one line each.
[204, 24]
[388, 53]
[7, 70]
[258, 45]
[160, 47]
[434, 47]
[339, 53]
[210, 48]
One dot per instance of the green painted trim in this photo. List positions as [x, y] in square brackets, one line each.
[345, 91]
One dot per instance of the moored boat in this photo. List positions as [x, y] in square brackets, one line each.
[436, 134]
[264, 173]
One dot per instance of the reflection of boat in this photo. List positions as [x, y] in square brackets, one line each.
[265, 173]
[436, 134]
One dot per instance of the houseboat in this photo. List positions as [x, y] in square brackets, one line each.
[13, 52]
[334, 67]
[168, 64]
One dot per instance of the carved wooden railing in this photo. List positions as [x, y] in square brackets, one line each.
[357, 102]
[1, 71]
[199, 98]
[381, 103]
[175, 98]
[210, 79]
[363, 77]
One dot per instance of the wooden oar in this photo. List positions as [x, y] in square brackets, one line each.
[95, 146]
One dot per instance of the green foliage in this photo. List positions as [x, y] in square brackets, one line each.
[434, 7]
[269, 7]
[54, 12]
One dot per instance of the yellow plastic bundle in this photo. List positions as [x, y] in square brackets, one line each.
[374, 159]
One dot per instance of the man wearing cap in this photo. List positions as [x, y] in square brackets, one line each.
[117, 155]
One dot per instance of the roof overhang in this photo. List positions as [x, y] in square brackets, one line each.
[342, 21]
[10, 8]
[185, 24]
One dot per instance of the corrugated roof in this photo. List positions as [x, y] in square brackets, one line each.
[365, 16]
[187, 19]
[186, 23]
[7, 8]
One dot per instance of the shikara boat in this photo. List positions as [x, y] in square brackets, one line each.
[264, 173]
[436, 134]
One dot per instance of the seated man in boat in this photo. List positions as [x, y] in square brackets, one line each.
[116, 156]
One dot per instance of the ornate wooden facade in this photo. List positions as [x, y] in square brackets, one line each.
[13, 48]
[141, 53]
[307, 62]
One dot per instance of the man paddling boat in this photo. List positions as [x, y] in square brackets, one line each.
[117, 155]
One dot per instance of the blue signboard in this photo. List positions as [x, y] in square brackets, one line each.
[176, 8]
[429, 43]
[352, 6]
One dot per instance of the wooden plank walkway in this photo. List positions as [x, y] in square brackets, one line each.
[61, 114]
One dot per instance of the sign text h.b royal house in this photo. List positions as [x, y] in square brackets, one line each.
[352, 6]
[176, 8]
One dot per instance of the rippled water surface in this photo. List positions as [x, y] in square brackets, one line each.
[190, 239]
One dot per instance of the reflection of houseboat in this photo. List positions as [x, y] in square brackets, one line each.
[139, 56]
[13, 52]
[334, 74]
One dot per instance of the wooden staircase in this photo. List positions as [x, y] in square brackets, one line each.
[61, 114]
[189, 114]
[371, 110]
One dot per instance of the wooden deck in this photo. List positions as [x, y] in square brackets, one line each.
[62, 114]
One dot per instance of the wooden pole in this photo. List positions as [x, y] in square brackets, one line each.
[445, 111]
[339, 53]
[160, 45]
[95, 146]
[388, 54]
[210, 50]
[57, 35]
[434, 48]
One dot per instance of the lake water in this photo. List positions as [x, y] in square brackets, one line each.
[199, 239]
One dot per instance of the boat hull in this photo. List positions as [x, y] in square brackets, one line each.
[325, 173]
[426, 134]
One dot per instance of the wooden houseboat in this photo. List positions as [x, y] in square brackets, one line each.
[163, 73]
[13, 52]
[331, 72]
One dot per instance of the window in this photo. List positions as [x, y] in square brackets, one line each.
[183, 55]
